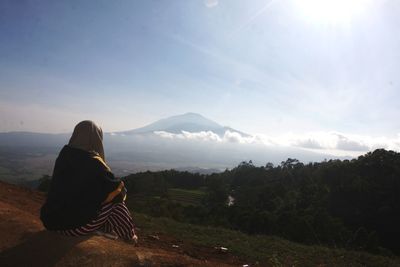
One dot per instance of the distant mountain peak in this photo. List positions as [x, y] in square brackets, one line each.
[190, 117]
[191, 114]
[189, 122]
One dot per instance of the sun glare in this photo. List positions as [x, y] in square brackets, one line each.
[331, 12]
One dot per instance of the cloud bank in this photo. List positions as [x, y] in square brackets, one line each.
[229, 136]
[334, 143]
[339, 141]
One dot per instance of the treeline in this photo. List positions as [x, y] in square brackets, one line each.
[350, 203]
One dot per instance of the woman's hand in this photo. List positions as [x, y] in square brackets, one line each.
[135, 239]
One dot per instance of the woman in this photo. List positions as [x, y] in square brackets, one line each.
[84, 195]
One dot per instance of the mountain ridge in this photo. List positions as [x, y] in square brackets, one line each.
[188, 122]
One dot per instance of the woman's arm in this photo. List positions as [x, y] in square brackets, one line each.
[120, 190]
[112, 188]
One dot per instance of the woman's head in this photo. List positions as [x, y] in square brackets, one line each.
[89, 137]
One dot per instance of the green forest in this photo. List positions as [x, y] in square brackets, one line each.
[351, 204]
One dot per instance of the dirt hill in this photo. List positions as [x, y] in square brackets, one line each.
[24, 242]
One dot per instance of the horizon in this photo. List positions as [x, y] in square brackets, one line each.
[294, 73]
[332, 145]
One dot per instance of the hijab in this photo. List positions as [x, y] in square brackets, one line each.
[89, 137]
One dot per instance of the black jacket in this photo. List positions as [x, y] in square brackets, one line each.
[80, 184]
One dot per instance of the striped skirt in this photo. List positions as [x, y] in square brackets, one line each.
[113, 218]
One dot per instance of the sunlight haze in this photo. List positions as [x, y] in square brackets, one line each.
[288, 71]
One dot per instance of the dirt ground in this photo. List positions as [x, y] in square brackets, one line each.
[24, 242]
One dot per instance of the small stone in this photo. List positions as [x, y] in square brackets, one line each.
[155, 237]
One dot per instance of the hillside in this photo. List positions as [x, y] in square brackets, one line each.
[24, 243]
[347, 204]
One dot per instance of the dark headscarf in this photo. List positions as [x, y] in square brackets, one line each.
[89, 137]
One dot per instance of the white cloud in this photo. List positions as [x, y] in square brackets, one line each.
[229, 137]
[309, 143]
[201, 136]
[347, 144]
[211, 3]
[233, 137]
[333, 143]
[164, 134]
[336, 143]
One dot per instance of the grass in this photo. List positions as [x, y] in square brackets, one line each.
[186, 197]
[266, 250]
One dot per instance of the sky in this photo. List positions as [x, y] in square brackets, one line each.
[304, 70]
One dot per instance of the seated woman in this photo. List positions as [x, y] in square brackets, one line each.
[84, 195]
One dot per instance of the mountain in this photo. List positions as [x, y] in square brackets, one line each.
[189, 122]
[27, 156]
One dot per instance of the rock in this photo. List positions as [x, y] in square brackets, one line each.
[154, 237]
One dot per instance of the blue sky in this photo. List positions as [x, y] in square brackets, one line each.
[268, 67]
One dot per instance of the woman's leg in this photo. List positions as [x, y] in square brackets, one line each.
[120, 221]
[113, 217]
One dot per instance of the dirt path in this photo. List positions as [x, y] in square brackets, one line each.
[24, 242]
